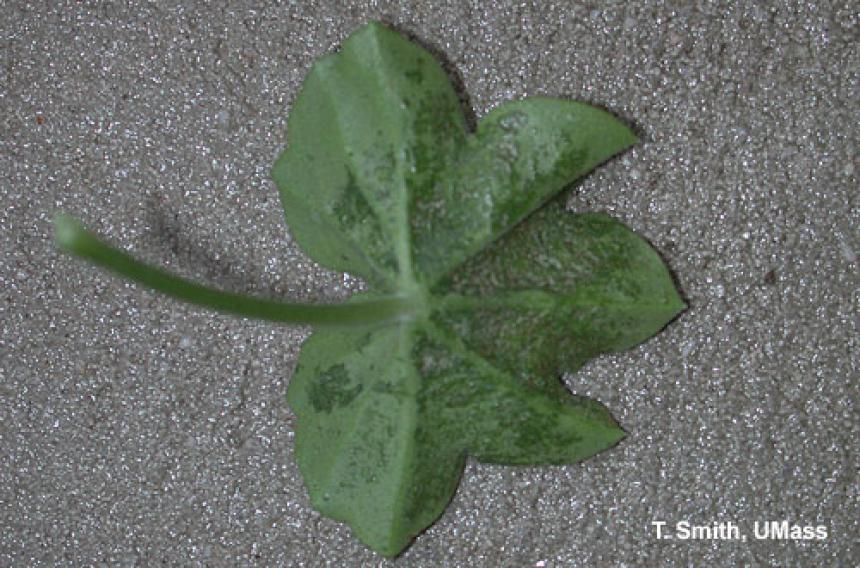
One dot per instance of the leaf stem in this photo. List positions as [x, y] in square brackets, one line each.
[72, 237]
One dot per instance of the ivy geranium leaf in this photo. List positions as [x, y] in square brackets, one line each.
[382, 178]
[483, 288]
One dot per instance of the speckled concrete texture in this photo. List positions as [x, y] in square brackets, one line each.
[137, 431]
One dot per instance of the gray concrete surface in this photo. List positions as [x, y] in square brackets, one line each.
[136, 431]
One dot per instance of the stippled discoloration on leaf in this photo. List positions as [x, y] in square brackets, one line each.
[332, 389]
[556, 291]
[382, 178]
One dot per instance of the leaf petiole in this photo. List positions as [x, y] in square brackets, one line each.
[72, 237]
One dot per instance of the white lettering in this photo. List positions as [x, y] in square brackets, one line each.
[732, 531]
[779, 531]
[783, 530]
[728, 530]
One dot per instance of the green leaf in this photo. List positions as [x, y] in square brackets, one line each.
[381, 178]
[556, 291]
[366, 444]
[371, 124]
[484, 290]
[523, 153]
[387, 416]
